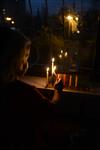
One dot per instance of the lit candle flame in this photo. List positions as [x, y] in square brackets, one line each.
[66, 54]
[53, 59]
[60, 56]
[61, 51]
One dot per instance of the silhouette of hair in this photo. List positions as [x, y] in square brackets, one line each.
[12, 44]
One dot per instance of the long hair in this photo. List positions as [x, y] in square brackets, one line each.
[12, 44]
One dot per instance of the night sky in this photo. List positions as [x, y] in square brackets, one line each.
[54, 5]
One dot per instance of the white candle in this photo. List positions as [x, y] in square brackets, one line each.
[52, 70]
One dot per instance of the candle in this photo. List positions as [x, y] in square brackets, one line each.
[52, 70]
[76, 80]
[70, 80]
[47, 73]
[64, 79]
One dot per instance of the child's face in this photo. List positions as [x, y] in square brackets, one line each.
[27, 53]
[24, 59]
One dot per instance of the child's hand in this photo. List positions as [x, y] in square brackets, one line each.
[59, 83]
